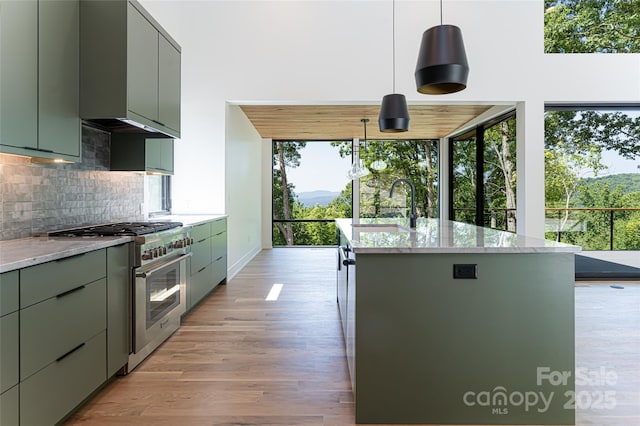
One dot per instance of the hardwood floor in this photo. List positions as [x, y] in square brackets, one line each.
[241, 360]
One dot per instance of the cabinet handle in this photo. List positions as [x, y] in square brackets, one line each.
[68, 292]
[219, 233]
[202, 269]
[159, 122]
[219, 258]
[343, 253]
[37, 149]
[202, 240]
[70, 352]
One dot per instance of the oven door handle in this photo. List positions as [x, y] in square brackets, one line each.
[164, 265]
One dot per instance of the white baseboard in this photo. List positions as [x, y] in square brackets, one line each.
[233, 270]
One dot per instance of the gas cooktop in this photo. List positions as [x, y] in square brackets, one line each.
[117, 229]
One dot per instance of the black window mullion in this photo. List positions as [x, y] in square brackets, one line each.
[480, 176]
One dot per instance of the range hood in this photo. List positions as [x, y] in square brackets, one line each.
[129, 70]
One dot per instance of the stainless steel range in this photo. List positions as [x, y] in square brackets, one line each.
[158, 276]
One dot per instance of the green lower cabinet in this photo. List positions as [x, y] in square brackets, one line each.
[50, 394]
[118, 291]
[9, 355]
[50, 329]
[200, 285]
[10, 407]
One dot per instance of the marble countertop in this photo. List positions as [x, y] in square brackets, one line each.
[438, 236]
[24, 252]
[188, 219]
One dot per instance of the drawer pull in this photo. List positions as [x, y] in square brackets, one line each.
[202, 240]
[69, 353]
[201, 269]
[37, 149]
[68, 292]
[219, 233]
[219, 258]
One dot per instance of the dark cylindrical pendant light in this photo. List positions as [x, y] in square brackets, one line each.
[442, 61]
[394, 113]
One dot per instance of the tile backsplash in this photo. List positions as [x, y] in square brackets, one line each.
[41, 197]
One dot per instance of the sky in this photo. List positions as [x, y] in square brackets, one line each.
[321, 168]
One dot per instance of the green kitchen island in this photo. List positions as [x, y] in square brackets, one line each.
[450, 323]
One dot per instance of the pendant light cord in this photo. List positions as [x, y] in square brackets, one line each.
[393, 40]
[440, 12]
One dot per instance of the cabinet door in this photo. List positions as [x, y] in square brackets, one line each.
[168, 84]
[159, 155]
[9, 344]
[166, 155]
[59, 77]
[142, 65]
[118, 291]
[10, 406]
[19, 73]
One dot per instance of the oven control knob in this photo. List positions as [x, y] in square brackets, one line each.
[154, 252]
[164, 250]
[146, 255]
[177, 244]
[190, 241]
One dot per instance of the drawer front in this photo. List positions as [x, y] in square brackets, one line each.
[9, 351]
[8, 292]
[200, 255]
[218, 226]
[46, 397]
[219, 246]
[50, 329]
[201, 284]
[203, 230]
[41, 282]
[9, 407]
[220, 270]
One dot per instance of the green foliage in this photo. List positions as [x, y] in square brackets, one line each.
[592, 26]
[628, 182]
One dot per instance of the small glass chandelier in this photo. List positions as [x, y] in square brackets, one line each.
[358, 169]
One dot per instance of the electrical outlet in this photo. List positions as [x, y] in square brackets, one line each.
[465, 271]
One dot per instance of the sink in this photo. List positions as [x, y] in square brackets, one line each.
[380, 227]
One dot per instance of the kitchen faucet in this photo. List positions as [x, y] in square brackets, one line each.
[413, 216]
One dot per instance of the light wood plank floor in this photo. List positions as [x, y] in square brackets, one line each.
[240, 360]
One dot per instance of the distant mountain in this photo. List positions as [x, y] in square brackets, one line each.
[311, 198]
[629, 181]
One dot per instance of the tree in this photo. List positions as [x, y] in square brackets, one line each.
[286, 155]
[500, 175]
[416, 160]
[591, 26]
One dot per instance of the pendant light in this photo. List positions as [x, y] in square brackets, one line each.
[394, 114]
[358, 169]
[442, 61]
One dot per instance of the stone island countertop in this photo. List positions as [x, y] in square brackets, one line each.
[393, 235]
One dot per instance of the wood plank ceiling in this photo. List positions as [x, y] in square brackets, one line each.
[335, 122]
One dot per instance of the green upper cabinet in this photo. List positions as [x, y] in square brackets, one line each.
[39, 79]
[168, 84]
[142, 69]
[130, 68]
[142, 152]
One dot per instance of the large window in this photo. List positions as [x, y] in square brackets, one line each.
[594, 26]
[415, 160]
[483, 175]
[311, 187]
[592, 176]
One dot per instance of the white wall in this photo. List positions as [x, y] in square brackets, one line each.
[340, 51]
